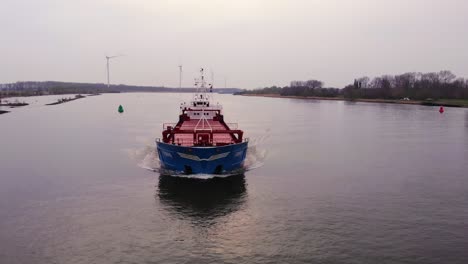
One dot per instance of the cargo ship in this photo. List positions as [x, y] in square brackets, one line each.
[201, 142]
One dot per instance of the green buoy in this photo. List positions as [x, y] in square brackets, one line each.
[121, 109]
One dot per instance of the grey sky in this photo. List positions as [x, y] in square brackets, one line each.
[252, 43]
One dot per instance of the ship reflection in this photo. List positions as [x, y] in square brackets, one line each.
[202, 199]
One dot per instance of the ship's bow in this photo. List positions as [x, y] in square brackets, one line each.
[202, 160]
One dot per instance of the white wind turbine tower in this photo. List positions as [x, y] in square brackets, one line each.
[108, 58]
[180, 76]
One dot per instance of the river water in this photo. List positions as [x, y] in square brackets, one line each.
[327, 182]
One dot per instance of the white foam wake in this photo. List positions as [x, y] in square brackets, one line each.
[147, 158]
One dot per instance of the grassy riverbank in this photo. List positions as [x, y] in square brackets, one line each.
[441, 102]
[448, 102]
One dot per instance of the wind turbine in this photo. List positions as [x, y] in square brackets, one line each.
[180, 76]
[108, 58]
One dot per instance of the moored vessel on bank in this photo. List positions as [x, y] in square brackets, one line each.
[201, 142]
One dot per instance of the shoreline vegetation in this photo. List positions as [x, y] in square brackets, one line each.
[432, 89]
[31, 88]
[66, 100]
[13, 104]
[9, 104]
[445, 103]
[17, 103]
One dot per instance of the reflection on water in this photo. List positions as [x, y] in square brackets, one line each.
[342, 182]
[466, 118]
[204, 199]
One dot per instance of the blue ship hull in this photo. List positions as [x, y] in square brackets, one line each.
[202, 160]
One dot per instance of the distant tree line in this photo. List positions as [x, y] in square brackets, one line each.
[52, 87]
[266, 90]
[298, 88]
[309, 88]
[412, 85]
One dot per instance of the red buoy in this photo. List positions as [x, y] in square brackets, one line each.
[441, 110]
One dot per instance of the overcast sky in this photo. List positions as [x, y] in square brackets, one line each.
[251, 43]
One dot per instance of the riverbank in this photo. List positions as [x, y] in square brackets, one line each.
[66, 100]
[15, 104]
[443, 102]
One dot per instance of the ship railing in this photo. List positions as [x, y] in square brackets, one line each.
[183, 142]
[165, 125]
[180, 142]
[232, 126]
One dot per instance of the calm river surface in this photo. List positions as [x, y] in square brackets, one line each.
[329, 182]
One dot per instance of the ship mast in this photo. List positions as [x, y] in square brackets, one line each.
[202, 90]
